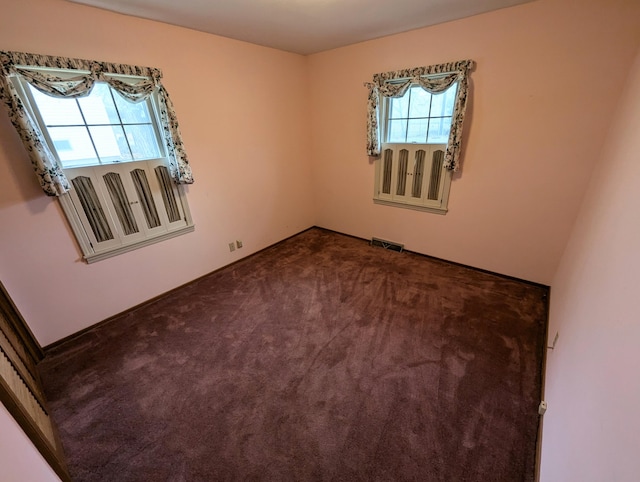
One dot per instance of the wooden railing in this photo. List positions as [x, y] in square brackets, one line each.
[20, 387]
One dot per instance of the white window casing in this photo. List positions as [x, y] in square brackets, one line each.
[412, 176]
[115, 205]
[124, 224]
[415, 121]
[172, 218]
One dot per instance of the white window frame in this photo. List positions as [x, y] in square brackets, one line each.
[92, 249]
[404, 198]
[396, 198]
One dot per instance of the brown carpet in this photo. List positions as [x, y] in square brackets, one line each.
[321, 358]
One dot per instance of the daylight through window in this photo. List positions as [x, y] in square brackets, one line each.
[104, 139]
[416, 129]
[414, 132]
[101, 128]
[421, 117]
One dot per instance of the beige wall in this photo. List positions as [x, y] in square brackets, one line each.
[592, 426]
[245, 133]
[548, 77]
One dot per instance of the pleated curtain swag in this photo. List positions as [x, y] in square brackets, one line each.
[29, 66]
[434, 79]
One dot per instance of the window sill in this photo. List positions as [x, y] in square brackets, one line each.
[415, 207]
[92, 258]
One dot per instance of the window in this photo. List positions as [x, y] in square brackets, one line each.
[101, 128]
[414, 131]
[107, 145]
[420, 117]
[411, 170]
[110, 151]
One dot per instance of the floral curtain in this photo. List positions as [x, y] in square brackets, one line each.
[433, 79]
[29, 66]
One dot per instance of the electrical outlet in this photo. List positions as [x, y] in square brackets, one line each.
[232, 246]
[239, 244]
[542, 408]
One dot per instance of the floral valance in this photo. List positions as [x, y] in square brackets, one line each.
[434, 79]
[82, 75]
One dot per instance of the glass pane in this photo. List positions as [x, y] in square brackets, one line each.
[98, 106]
[443, 103]
[142, 141]
[110, 143]
[74, 146]
[57, 111]
[130, 112]
[417, 130]
[439, 130]
[399, 107]
[420, 100]
[397, 131]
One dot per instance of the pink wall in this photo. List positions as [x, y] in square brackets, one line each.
[537, 120]
[592, 426]
[19, 459]
[244, 131]
[548, 77]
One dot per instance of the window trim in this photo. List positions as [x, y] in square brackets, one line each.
[70, 78]
[20, 83]
[90, 254]
[415, 207]
[384, 107]
[439, 206]
[72, 211]
[434, 79]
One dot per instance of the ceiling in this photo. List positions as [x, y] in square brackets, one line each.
[302, 26]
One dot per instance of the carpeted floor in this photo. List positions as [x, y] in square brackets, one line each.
[321, 358]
